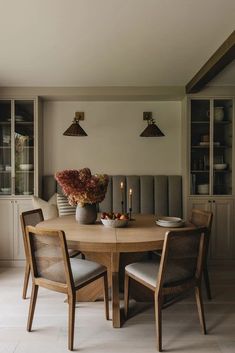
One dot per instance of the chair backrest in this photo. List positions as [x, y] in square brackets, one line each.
[181, 260]
[49, 259]
[30, 218]
[201, 218]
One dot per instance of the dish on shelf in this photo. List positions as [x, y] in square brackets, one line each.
[8, 168]
[27, 192]
[220, 166]
[203, 189]
[5, 190]
[26, 166]
[19, 118]
[202, 143]
[115, 223]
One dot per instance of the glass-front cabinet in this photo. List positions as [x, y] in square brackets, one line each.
[211, 141]
[17, 125]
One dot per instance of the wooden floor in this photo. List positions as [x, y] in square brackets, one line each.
[93, 334]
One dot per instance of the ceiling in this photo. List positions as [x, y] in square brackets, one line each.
[92, 43]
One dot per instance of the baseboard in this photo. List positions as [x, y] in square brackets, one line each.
[12, 263]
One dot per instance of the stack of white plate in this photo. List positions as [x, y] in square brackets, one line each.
[203, 189]
[170, 222]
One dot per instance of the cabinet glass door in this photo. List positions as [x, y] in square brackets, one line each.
[200, 147]
[211, 146]
[222, 148]
[24, 147]
[5, 147]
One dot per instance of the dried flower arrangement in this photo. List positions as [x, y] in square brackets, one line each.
[81, 187]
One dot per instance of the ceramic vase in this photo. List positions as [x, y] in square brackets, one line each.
[86, 214]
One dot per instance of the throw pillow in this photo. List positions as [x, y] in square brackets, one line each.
[64, 207]
[49, 209]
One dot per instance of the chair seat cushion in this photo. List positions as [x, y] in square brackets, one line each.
[147, 271]
[84, 270]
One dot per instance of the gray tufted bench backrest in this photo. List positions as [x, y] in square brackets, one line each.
[153, 194]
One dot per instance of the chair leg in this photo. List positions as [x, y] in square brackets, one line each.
[200, 309]
[106, 295]
[32, 305]
[26, 280]
[72, 304]
[158, 318]
[207, 282]
[126, 294]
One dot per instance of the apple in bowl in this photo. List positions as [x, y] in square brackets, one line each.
[114, 220]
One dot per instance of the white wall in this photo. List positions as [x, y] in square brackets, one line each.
[113, 144]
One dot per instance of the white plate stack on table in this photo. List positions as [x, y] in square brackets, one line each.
[170, 222]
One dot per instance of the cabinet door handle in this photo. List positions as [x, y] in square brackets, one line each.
[209, 201]
[213, 201]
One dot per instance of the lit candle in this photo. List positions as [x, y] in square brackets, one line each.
[122, 191]
[130, 198]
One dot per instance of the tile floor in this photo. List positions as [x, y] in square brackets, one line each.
[93, 334]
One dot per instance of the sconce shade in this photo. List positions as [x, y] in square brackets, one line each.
[152, 131]
[75, 129]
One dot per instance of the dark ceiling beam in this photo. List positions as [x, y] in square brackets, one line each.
[217, 62]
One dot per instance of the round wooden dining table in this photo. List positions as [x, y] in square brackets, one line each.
[142, 234]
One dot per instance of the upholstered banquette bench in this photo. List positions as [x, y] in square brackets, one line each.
[152, 194]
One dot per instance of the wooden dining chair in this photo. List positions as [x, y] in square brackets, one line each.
[32, 218]
[178, 271]
[202, 218]
[52, 268]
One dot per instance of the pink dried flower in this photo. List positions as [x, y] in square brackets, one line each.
[81, 187]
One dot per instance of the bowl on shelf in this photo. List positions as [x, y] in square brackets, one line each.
[115, 223]
[6, 190]
[27, 192]
[19, 118]
[26, 166]
[8, 168]
[203, 189]
[220, 166]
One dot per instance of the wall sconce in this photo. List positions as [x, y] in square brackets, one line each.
[152, 130]
[75, 129]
